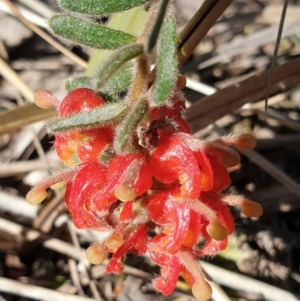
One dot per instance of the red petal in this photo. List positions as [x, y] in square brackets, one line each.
[127, 212]
[137, 241]
[79, 100]
[169, 268]
[195, 229]
[173, 160]
[87, 182]
[170, 271]
[90, 150]
[220, 174]
[207, 173]
[174, 216]
[213, 200]
[66, 150]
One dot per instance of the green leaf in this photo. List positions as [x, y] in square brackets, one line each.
[120, 80]
[113, 64]
[96, 117]
[166, 62]
[89, 34]
[78, 82]
[100, 7]
[126, 129]
[157, 25]
[131, 21]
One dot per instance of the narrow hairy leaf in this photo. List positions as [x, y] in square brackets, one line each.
[166, 62]
[78, 82]
[157, 26]
[100, 7]
[89, 33]
[120, 57]
[131, 21]
[119, 81]
[97, 117]
[127, 128]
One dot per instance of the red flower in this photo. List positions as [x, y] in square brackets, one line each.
[78, 146]
[165, 198]
[82, 191]
[174, 161]
[174, 216]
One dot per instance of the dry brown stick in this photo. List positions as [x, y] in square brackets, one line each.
[241, 282]
[44, 220]
[76, 244]
[16, 204]
[198, 26]
[35, 292]
[244, 44]
[45, 36]
[75, 276]
[281, 119]
[53, 244]
[213, 107]
[29, 14]
[12, 77]
[279, 140]
[39, 7]
[36, 141]
[15, 168]
[15, 119]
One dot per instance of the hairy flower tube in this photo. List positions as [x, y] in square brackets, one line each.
[163, 196]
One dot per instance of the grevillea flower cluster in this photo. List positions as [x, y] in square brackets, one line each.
[164, 197]
[132, 167]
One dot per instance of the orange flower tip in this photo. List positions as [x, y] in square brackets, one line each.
[125, 193]
[181, 81]
[252, 209]
[95, 255]
[246, 142]
[229, 160]
[202, 291]
[34, 197]
[58, 185]
[114, 242]
[216, 230]
[44, 99]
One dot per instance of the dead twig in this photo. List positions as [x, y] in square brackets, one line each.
[281, 119]
[198, 26]
[44, 221]
[15, 119]
[244, 283]
[17, 205]
[226, 101]
[35, 292]
[17, 168]
[12, 77]
[75, 241]
[46, 36]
